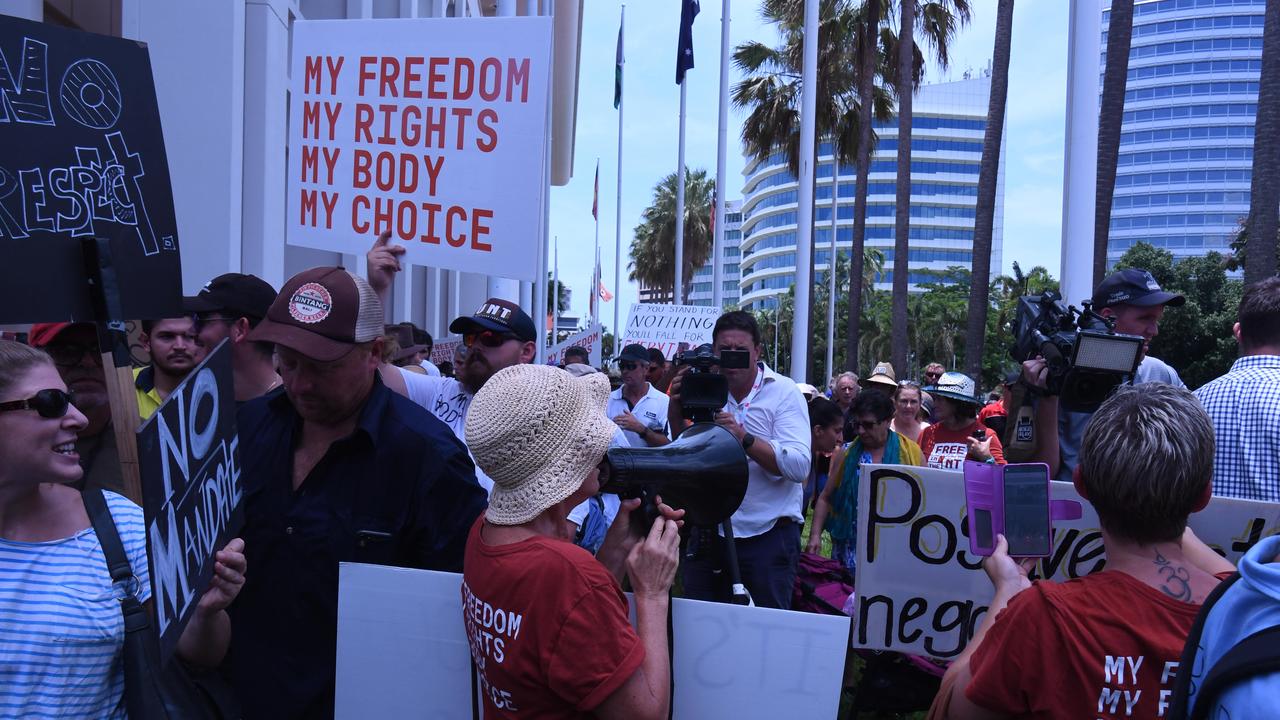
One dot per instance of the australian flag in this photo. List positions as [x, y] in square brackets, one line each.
[684, 55]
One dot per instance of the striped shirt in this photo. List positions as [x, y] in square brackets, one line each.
[62, 628]
[1244, 405]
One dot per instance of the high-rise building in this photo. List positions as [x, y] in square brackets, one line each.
[949, 120]
[1186, 143]
[704, 277]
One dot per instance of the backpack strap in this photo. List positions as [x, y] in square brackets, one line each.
[1178, 709]
[95, 504]
[1254, 655]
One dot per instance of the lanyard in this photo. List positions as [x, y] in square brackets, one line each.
[740, 411]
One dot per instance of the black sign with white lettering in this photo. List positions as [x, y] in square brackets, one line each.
[83, 158]
[189, 458]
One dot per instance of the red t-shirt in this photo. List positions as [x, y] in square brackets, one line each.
[995, 409]
[548, 628]
[946, 449]
[1101, 646]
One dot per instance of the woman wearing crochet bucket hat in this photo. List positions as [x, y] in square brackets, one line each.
[957, 435]
[547, 622]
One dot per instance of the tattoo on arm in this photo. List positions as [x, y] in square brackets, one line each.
[1177, 579]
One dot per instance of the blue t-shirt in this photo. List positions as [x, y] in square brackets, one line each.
[1071, 425]
[1249, 605]
[60, 649]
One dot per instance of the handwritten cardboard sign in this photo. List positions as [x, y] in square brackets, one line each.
[431, 128]
[402, 652]
[188, 454]
[920, 591]
[444, 349]
[670, 328]
[588, 339]
[83, 158]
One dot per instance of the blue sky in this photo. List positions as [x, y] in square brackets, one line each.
[1036, 119]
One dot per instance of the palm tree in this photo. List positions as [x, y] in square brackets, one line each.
[939, 22]
[1110, 118]
[989, 171]
[564, 294]
[1264, 196]
[772, 91]
[653, 247]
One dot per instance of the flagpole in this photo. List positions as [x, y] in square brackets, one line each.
[804, 195]
[722, 149]
[555, 293]
[675, 294]
[617, 229]
[595, 287]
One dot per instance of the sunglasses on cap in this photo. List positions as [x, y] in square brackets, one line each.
[50, 403]
[487, 338]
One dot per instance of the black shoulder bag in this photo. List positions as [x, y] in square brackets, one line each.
[152, 692]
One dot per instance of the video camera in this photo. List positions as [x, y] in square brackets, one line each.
[702, 392]
[1087, 358]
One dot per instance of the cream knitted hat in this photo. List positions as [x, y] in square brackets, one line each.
[537, 431]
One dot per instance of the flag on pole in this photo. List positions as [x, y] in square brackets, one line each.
[684, 53]
[595, 196]
[617, 72]
[605, 295]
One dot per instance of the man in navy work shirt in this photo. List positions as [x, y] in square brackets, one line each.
[336, 468]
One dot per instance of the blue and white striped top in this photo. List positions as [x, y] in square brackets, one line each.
[61, 631]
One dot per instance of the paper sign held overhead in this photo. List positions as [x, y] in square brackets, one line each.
[431, 128]
[588, 339]
[670, 328]
[83, 158]
[189, 458]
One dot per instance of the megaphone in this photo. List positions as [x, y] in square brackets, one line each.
[704, 473]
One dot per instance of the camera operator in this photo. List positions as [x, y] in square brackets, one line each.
[1135, 300]
[767, 414]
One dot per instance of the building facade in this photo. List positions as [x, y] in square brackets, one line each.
[704, 277]
[1186, 143]
[222, 71]
[949, 120]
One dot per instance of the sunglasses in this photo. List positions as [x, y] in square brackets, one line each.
[627, 365]
[70, 354]
[864, 424]
[50, 403]
[487, 338]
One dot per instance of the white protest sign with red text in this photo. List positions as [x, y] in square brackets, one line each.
[434, 129]
[588, 339]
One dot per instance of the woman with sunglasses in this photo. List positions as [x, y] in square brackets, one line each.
[869, 415]
[907, 413]
[60, 654]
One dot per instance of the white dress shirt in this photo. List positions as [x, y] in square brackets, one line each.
[651, 411]
[774, 413]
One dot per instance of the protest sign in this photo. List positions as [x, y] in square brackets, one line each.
[402, 652]
[589, 339]
[670, 328]
[431, 128]
[83, 158]
[189, 457]
[920, 591]
[444, 348]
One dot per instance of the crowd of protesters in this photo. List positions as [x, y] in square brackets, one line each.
[355, 446]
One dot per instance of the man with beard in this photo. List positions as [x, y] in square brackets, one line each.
[174, 353]
[336, 468]
[496, 336]
[74, 349]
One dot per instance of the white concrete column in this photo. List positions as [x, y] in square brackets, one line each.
[266, 105]
[1080, 177]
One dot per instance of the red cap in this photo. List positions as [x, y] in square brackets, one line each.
[43, 333]
[322, 313]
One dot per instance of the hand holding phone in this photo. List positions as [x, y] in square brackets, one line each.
[1009, 500]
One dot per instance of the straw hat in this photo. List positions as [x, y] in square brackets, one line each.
[537, 431]
[956, 386]
[883, 377]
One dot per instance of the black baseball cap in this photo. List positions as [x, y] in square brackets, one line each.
[234, 293]
[635, 352]
[500, 316]
[1132, 286]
